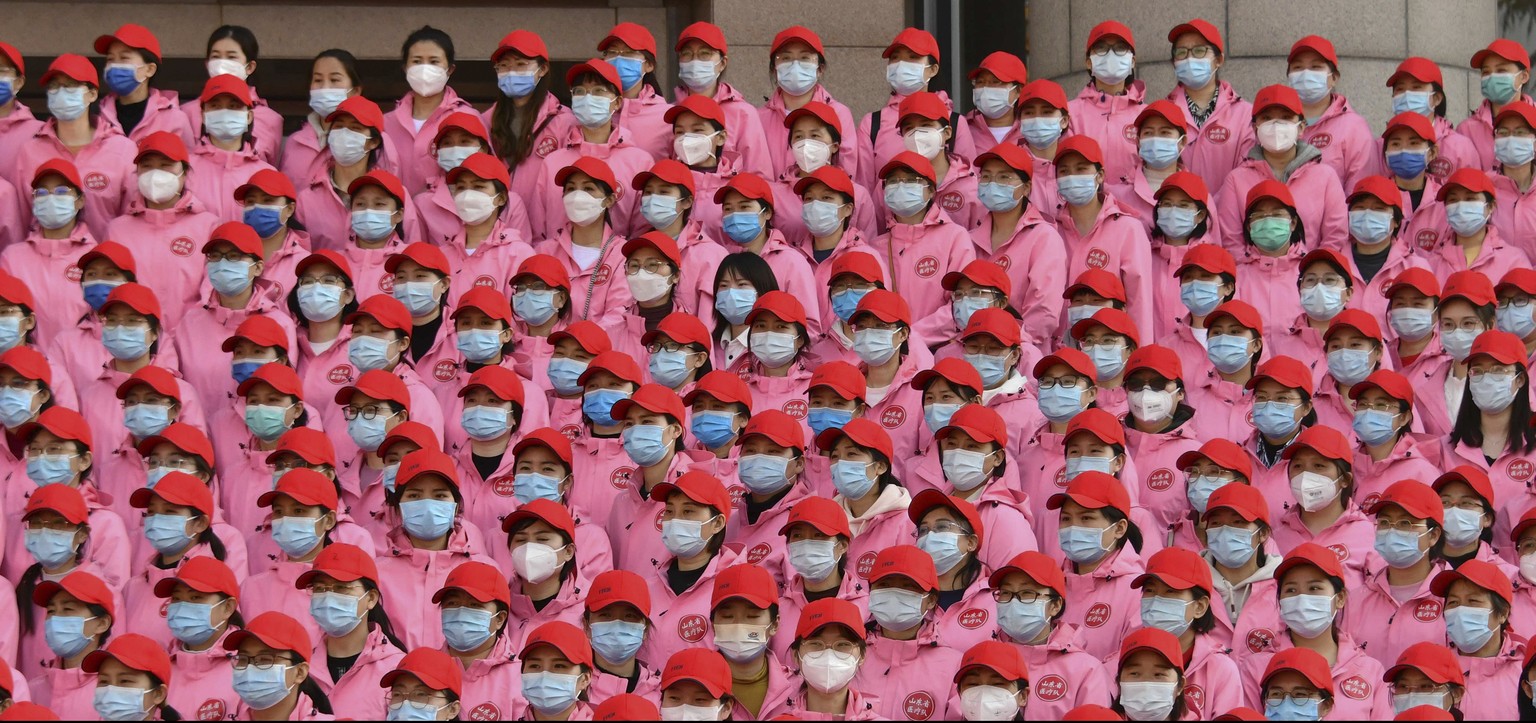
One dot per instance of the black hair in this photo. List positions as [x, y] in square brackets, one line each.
[1179, 706]
[1298, 233]
[513, 132]
[1200, 229]
[166, 711]
[298, 314]
[316, 694]
[1207, 622]
[1469, 421]
[427, 34]
[379, 618]
[1132, 532]
[754, 270]
[242, 36]
[347, 60]
[568, 570]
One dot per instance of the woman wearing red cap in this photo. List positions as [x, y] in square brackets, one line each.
[226, 151]
[1505, 67]
[1333, 127]
[746, 203]
[566, 355]
[553, 558]
[1206, 279]
[955, 534]
[202, 601]
[835, 213]
[333, 78]
[700, 141]
[471, 600]
[356, 633]
[818, 539]
[273, 674]
[982, 287]
[617, 607]
[1326, 284]
[1030, 595]
[1063, 389]
[997, 86]
[182, 447]
[588, 243]
[133, 680]
[859, 456]
[238, 291]
[1514, 133]
[425, 684]
[1269, 255]
[692, 529]
[1149, 673]
[1352, 352]
[17, 124]
[1177, 596]
[1097, 231]
[828, 648]
[76, 133]
[798, 63]
[1217, 113]
[527, 120]
[1320, 466]
[540, 300]
[696, 685]
[245, 434]
[488, 414]
[652, 269]
[267, 202]
[1383, 423]
[702, 62]
[354, 146]
[460, 136]
[1160, 428]
[1161, 134]
[631, 50]
[1427, 675]
[322, 297]
[1470, 518]
[1019, 239]
[772, 467]
[969, 459]
[601, 137]
[923, 242]
[381, 338]
[928, 129]
[903, 649]
[427, 55]
[50, 380]
[38, 257]
[489, 236]
[420, 280]
[556, 673]
[233, 51]
[602, 449]
[430, 539]
[1416, 160]
[382, 226]
[1114, 95]
[779, 338]
[1474, 242]
[1491, 430]
[912, 62]
[81, 612]
[744, 616]
[1478, 598]
[1377, 223]
[1100, 546]
[132, 59]
[1044, 121]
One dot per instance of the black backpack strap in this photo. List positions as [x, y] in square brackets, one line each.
[874, 126]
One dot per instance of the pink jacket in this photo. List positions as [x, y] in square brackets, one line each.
[107, 548]
[1116, 243]
[493, 684]
[1510, 472]
[328, 217]
[910, 678]
[1269, 284]
[18, 127]
[33, 656]
[919, 256]
[783, 685]
[48, 268]
[773, 113]
[787, 393]
[144, 613]
[601, 292]
[1062, 676]
[1387, 628]
[440, 222]
[553, 123]
[1006, 513]
[788, 215]
[203, 684]
[493, 262]
[67, 693]
[975, 124]
[792, 603]
[1351, 537]
[1157, 459]
[1414, 456]
[1316, 188]
[217, 173]
[1208, 677]
[1103, 603]
[414, 144]
[161, 113]
[1478, 128]
[643, 120]
[356, 695]
[682, 621]
[1491, 680]
[546, 209]
[605, 686]
[167, 247]
[761, 542]
[12, 228]
[956, 194]
[1359, 692]
[1345, 138]
[409, 577]
[1137, 197]
[861, 707]
[1496, 257]
[1110, 120]
[301, 150]
[972, 619]
[266, 125]
[205, 327]
[879, 144]
[1514, 213]
[1223, 141]
[535, 405]
[1455, 151]
[264, 554]
[884, 524]
[105, 164]
[1028, 255]
[746, 137]
[632, 522]
[273, 591]
[1371, 296]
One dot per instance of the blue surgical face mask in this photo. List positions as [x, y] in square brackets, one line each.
[485, 423]
[617, 641]
[1159, 153]
[51, 548]
[366, 433]
[683, 538]
[669, 368]
[1370, 227]
[796, 77]
[1200, 297]
[1082, 545]
[16, 406]
[822, 419]
[763, 474]
[659, 211]
[1061, 403]
[122, 78]
[96, 292]
[296, 536]
[167, 533]
[1166, 614]
[1230, 546]
[1228, 353]
[1499, 88]
[937, 416]
[1077, 465]
[50, 469]
[875, 346]
[1078, 190]
[65, 635]
[1108, 360]
[631, 70]
[1458, 342]
[906, 198]
[368, 353]
[549, 692]
[844, 303]
[54, 211]
[743, 227]
[1468, 627]
[465, 628]
[67, 104]
[1310, 85]
[229, 277]
[115, 702]
[428, 519]
[851, 478]
[992, 368]
[410, 710]
[1041, 131]
[478, 345]
[1414, 101]
[822, 218]
[191, 623]
[1374, 428]
[146, 420]
[646, 444]
[372, 224]
[265, 220]
[963, 308]
[1399, 549]
[1413, 324]
[1023, 621]
[419, 297]
[1193, 73]
[1517, 320]
[1349, 366]
[320, 302]
[335, 613]
[534, 307]
[713, 429]
[1175, 222]
[125, 343]
[773, 349]
[597, 405]
[1466, 218]
[734, 304]
[564, 373]
[1289, 708]
[997, 197]
[7, 90]
[530, 486]
[1198, 491]
[1408, 163]
[944, 548]
[241, 370]
[517, 85]
[259, 688]
[1276, 420]
[592, 111]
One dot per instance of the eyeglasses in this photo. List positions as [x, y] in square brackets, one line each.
[1065, 380]
[1199, 51]
[670, 346]
[1480, 374]
[655, 266]
[174, 461]
[1329, 280]
[419, 697]
[1262, 215]
[1519, 302]
[328, 280]
[55, 191]
[1119, 49]
[709, 54]
[344, 588]
[839, 287]
[611, 54]
[1514, 133]
[24, 384]
[1276, 696]
[954, 527]
[530, 286]
[1027, 597]
[846, 647]
[1402, 689]
[1282, 398]
[216, 256]
[1139, 385]
[1217, 472]
[1383, 525]
[975, 294]
[510, 62]
[599, 92]
[262, 662]
[56, 526]
[368, 412]
[1388, 406]
[54, 449]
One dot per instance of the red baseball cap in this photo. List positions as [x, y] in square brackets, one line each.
[11, 54]
[203, 574]
[844, 379]
[137, 37]
[1518, 279]
[362, 110]
[67, 501]
[61, 422]
[1471, 286]
[595, 66]
[699, 665]
[1156, 640]
[1240, 311]
[177, 488]
[750, 185]
[1012, 156]
[328, 258]
[668, 170]
[626, 707]
[1380, 188]
[1037, 566]
[415, 434]
[980, 272]
[635, 35]
[236, 234]
[423, 462]
[377, 384]
[1415, 498]
[165, 143]
[593, 168]
[1159, 359]
[887, 306]
[829, 611]
[274, 630]
[1045, 90]
[707, 33]
[1310, 553]
[1111, 29]
[82, 586]
[159, 379]
[832, 177]
[1420, 280]
[862, 432]
[920, 42]
[71, 175]
[382, 179]
[1082, 145]
[955, 370]
[434, 668]
[1501, 47]
[304, 486]
[724, 386]
[1241, 713]
[653, 398]
[776, 426]
[549, 438]
[137, 297]
[483, 166]
[1191, 184]
[1389, 382]
[1471, 179]
[1246, 500]
[1433, 660]
[1501, 346]
[1201, 27]
[1414, 122]
[523, 42]
[1520, 108]
[859, 264]
[1102, 283]
[797, 33]
[931, 499]
[1356, 319]
[1006, 67]
[1223, 453]
[908, 561]
[1423, 70]
[1070, 358]
[1286, 371]
[549, 270]
[591, 337]
[1526, 521]
[462, 121]
[479, 580]
[1481, 573]
[752, 583]
[1168, 111]
[226, 85]
[912, 162]
[28, 363]
[485, 300]
[498, 380]
[75, 67]
[1317, 44]
[1211, 258]
[1309, 663]
[311, 445]
[698, 104]
[616, 363]
[821, 513]
[27, 710]
[614, 587]
[781, 304]
[660, 242]
[1001, 658]
[1090, 711]
[1178, 568]
[699, 486]
[1325, 441]
[134, 651]
[923, 104]
[564, 637]
[979, 422]
[258, 330]
[340, 561]
[426, 255]
[1112, 319]
[1093, 490]
[1271, 189]
[1471, 476]
[184, 437]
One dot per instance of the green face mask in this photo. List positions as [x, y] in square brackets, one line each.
[1499, 87]
[1270, 234]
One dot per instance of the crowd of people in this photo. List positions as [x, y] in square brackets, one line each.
[1088, 405]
